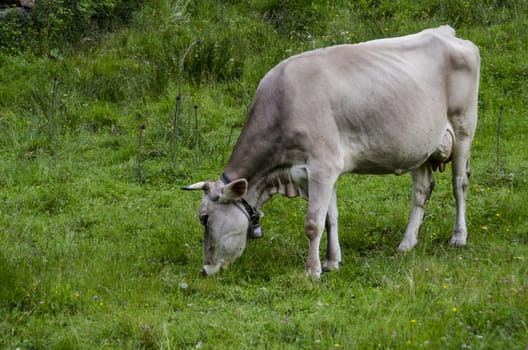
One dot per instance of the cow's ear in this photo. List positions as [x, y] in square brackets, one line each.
[204, 186]
[235, 190]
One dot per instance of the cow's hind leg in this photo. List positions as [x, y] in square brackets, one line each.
[461, 172]
[423, 184]
[333, 251]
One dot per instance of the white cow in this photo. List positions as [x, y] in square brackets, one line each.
[406, 104]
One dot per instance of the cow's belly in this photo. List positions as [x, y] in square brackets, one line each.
[378, 165]
[392, 154]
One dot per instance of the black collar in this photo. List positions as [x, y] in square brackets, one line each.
[253, 215]
[225, 179]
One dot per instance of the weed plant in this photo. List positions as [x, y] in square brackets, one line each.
[100, 249]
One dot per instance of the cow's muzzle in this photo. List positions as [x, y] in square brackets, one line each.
[208, 270]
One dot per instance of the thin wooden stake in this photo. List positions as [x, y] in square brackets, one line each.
[499, 122]
[196, 136]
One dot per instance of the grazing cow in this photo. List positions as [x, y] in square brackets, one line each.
[388, 106]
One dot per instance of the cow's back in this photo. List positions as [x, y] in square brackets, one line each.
[376, 107]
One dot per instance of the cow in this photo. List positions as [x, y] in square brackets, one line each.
[386, 106]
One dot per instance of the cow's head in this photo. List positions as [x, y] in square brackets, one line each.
[226, 220]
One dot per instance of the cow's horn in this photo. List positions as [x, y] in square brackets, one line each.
[197, 186]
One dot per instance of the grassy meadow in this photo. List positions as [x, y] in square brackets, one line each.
[100, 249]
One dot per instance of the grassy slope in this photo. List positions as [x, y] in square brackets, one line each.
[100, 249]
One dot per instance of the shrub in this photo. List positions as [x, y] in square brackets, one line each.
[54, 22]
[295, 16]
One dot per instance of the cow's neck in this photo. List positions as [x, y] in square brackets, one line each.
[262, 155]
[288, 180]
[256, 176]
[258, 153]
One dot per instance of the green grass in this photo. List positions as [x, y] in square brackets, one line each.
[99, 247]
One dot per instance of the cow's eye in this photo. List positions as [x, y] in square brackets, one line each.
[203, 219]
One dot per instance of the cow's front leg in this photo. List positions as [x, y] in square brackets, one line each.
[320, 194]
[423, 184]
[333, 250]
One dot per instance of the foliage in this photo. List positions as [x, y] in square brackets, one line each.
[294, 16]
[52, 22]
[100, 249]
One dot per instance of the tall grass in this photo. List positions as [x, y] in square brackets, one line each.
[90, 257]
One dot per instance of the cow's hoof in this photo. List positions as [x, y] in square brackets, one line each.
[457, 242]
[331, 265]
[459, 238]
[405, 245]
[310, 272]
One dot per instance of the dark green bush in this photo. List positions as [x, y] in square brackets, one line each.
[71, 20]
[295, 16]
[54, 22]
[15, 30]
